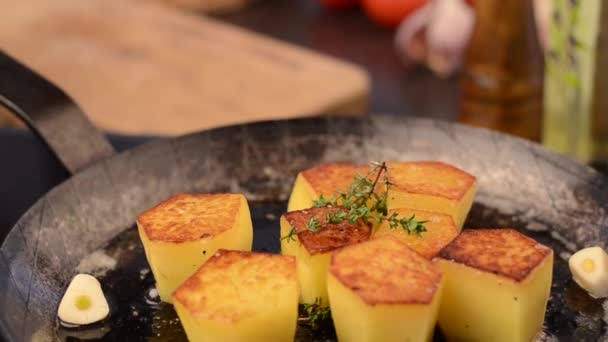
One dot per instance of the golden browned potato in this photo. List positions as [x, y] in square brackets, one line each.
[381, 290]
[440, 230]
[180, 234]
[497, 283]
[423, 185]
[313, 249]
[324, 179]
[240, 296]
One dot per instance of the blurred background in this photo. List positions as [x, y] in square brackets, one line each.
[144, 69]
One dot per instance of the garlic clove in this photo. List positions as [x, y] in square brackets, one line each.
[589, 268]
[83, 301]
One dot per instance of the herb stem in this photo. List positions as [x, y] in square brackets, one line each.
[355, 204]
[381, 169]
[315, 313]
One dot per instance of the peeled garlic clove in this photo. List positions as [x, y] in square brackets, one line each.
[589, 268]
[83, 301]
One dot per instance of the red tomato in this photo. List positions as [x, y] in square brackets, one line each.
[339, 3]
[391, 12]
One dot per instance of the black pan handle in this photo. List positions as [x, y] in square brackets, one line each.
[52, 114]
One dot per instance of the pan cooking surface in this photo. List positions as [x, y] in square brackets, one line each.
[136, 315]
[550, 198]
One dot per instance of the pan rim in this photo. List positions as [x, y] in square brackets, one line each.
[534, 148]
[459, 126]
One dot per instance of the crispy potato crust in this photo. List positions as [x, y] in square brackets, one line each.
[186, 217]
[326, 179]
[329, 236]
[419, 177]
[386, 271]
[504, 252]
[430, 178]
[441, 230]
[233, 285]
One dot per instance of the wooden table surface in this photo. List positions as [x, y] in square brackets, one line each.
[349, 35]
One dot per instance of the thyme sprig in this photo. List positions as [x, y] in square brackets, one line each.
[363, 202]
[313, 224]
[315, 313]
[409, 224]
[291, 236]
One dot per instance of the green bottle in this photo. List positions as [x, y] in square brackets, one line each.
[575, 120]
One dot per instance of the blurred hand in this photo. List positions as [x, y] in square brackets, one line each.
[438, 32]
[436, 35]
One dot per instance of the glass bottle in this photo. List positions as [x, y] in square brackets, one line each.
[501, 86]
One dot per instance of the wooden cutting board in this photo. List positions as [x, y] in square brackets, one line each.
[208, 6]
[137, 67]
